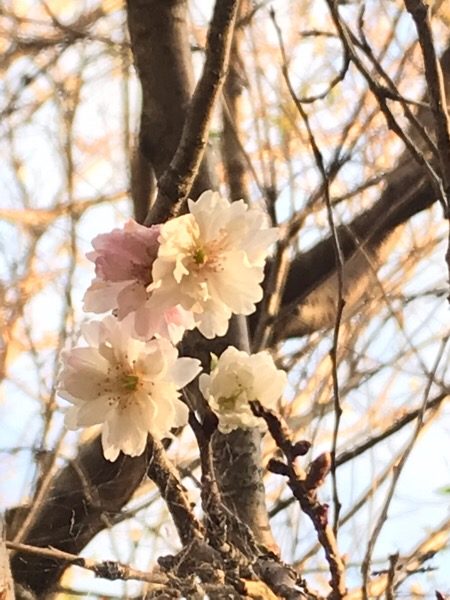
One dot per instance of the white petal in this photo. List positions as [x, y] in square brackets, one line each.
[130, 298]
[238, 285]
[71, 418]
[204, 384]
[101, 296]
[110, 451]
[184, 370]
[64, 394]
[148, 409]
[123, 430]
[92, 412]
[164, 418]
[213, 321]
[158, 357]
[87, 359]
[82, 384]
[258, 243]
[91, 331]
[238, 378]
[210, 212]
[181, 415]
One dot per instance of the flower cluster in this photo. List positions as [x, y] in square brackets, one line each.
[196, 270]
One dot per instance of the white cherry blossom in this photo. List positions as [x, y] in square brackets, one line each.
[238, 378]
[128, 386]
[211, 261]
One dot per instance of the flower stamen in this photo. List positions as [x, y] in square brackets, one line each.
[130, 382]
[199, 256]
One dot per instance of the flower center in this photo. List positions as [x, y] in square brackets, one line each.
[231, 403]
[129, 382]
[209, 256]
[227, 404]
[199, 256]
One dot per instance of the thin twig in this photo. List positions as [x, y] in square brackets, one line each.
[338, 78]
[107, 569]
[434, 542]
[351, 454]
[379, 93]
[339, 257]
[390, 91]
[397, 425]
[393, 561]
[365, 567]
[436, 90]
[420, 13]
[211, 501]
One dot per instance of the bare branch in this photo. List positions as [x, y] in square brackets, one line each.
[436, 90]
[365, 567]
[106, 569]
[176, 182]
[437, 98]
[161, 50]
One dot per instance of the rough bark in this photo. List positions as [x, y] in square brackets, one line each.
[237, 456]
[242, 448]
[175, 184]
[6, 582]
[69, 518]
[309, 300]
[232, 151]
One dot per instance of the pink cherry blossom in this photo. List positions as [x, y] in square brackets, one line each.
[123, 261]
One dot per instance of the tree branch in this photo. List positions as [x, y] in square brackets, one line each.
[308, 303]
[304, 486]
[106, 569]
[159, 41]
[176, 182]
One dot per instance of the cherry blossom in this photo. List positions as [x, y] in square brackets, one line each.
[211, 261]
[128, 386]
[123, 261]
[238, 378]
